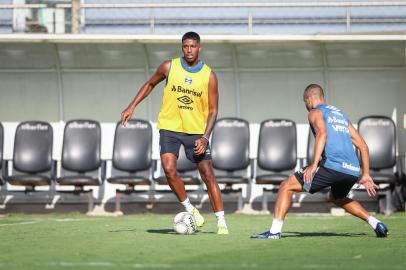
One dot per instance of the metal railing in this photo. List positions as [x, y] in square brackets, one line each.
[73, 14]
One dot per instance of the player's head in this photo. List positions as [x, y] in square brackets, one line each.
[313, 95]
[191, 46]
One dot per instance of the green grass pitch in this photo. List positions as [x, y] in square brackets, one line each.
[147, 241]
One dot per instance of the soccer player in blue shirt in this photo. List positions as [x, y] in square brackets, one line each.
[335, 164]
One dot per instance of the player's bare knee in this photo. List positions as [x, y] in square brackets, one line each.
[286, 185]
[170, 172]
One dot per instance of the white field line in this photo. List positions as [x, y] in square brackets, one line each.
[20, 223]
[45, 220]
[181, 266]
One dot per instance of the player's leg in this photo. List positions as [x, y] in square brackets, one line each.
[282, 205]
[206, 171]
[205, 167]
[169, 161]
[351, 206]
[284, 200]
[338, 195]
[170, 143]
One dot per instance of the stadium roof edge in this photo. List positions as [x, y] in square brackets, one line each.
[97, 38]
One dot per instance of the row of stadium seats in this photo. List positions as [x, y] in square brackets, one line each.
[132, 163]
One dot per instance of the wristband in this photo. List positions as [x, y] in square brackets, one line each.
[205, 138]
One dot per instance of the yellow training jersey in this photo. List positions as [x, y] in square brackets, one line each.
[185, 103]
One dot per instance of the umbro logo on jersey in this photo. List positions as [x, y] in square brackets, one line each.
[188, 80]
[185, 100]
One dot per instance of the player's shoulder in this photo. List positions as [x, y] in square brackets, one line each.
[165, 66]
[315, 112]
[330, 109]
[336, 111]
[167, 62]
[213, 74]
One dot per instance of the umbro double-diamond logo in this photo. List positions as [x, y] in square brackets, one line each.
[185, 100]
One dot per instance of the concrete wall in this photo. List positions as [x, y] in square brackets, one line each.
[257, 81]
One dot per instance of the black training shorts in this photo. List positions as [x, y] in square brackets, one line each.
[170, 142]
[340, 183]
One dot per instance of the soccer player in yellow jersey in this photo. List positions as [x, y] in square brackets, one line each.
[187, 116]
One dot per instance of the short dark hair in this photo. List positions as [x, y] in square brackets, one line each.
[191, 35]
[314, 89]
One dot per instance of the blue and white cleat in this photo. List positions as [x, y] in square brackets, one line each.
[381, 230]
[266, 235]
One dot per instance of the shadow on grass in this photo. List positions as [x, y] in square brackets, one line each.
[126, 230]
[171, 231]
[321, 234]
[162, 231]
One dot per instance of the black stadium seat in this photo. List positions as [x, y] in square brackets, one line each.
[1, 154]
[132, 157]
[230, 145]
[379, 132]
[310, 148]
[32, 156]
[81, 157]
[277, 154]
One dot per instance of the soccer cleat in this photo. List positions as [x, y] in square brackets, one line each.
[381, 230]
[266, 235]
[198, 217]
[222, 230]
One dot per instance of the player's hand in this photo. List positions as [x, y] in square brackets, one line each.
[125, 116]
[368, 183]
[200, 146]
[309, 172]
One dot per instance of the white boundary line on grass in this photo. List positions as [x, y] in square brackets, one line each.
[20, 223]
[181, 266]
[46, 219]
[150, 265]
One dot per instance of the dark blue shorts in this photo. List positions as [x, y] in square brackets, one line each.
[170, 142]
[340, 183]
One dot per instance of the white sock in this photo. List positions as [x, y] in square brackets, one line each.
[276, 226]
[373, 222]
[221, 221]
[188, 206]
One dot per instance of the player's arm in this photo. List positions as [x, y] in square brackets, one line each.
[316, 120]
[160, 74]
[366, 179]
[201, 144]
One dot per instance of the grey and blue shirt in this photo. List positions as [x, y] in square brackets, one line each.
[339, 153]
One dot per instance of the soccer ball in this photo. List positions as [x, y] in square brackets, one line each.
[184, 223]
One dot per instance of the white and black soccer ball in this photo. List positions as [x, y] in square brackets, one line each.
[184, 223]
